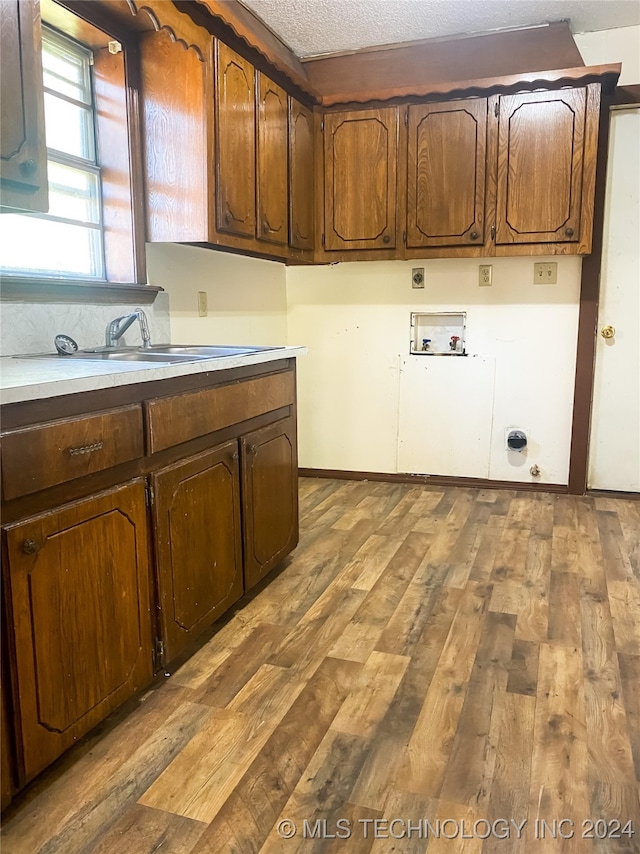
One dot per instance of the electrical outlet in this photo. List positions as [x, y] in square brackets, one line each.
[485, 275]
[417, 277]
[202, 304]
[545, 274]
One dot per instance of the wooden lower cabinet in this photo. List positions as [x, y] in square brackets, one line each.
[6, 775]
[77, 583]
[196, 514]
[270, 497]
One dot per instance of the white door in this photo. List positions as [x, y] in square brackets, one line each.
[614, 451]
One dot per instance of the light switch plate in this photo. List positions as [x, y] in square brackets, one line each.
[202, 304]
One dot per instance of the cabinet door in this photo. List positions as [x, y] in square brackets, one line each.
[23, 151]
[540, 162]
[446, 173]
[272, 162]
[360, 150]
[235, 143]
[6, 776]
[198, 543]
[270, 497]
[78, 583]
[300, 175]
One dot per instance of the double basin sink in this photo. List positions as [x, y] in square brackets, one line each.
[165, 353]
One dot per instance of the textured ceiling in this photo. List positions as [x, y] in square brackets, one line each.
[311, 27]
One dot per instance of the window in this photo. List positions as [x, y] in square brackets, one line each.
[68, 240]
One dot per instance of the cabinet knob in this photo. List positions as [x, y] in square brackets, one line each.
[568, 232]
[235, 456]
[608, 332]
[474, 235]
[386, 239]
[28, 168]
[30, 547]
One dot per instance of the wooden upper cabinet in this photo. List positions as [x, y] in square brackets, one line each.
[78, 588]
[23, 149]
[541, 146]
[235, 142]
[446, 159]
[360, 161]
[272, 162]
[300, 175]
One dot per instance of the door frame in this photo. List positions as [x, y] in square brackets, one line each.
[589, 302]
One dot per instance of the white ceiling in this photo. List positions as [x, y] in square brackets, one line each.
[311, 27]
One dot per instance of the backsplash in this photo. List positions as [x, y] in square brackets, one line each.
[28, 328]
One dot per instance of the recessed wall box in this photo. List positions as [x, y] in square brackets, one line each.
[438, 333]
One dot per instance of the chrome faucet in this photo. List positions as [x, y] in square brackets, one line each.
[116, 329]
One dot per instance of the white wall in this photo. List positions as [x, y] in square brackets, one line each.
[355, 320]
[619, 45]
[246, 297]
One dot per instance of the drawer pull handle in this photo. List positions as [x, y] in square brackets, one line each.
[235, 456]
[253, 449]
[30, 547]
[85, 449]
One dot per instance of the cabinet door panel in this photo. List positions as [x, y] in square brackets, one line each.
[272, 162]
[540, 163]
[23, 151]
[446, 173]
[300, 175]
[270, 488]
[360, 179]
[199, 555]
[235, 143]
[81, 614]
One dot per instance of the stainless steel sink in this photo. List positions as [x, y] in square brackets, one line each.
[158, 353]
[207, 351]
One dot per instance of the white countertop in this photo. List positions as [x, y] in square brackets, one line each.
[30, 378]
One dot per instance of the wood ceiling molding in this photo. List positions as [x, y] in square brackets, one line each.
[250, 29]
[434, 65]
[607, 75]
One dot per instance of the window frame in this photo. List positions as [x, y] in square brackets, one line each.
[120, 156]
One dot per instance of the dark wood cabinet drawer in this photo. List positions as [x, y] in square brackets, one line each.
[35, 458]
[181, 417]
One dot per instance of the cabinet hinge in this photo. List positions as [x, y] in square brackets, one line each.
[323, 238]
[496, 109]
[493, 232]
[158, 653]
[406, 117]
[149, 497]
[404, 237]
[322, 125]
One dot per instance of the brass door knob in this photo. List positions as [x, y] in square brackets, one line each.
[608, 332]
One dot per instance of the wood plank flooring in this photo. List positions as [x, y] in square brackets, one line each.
[451, 670]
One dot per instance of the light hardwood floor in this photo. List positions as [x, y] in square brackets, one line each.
[448, 663]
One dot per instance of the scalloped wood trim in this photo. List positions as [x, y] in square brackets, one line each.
[607, 75]
[180, 28]
[256, 35]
